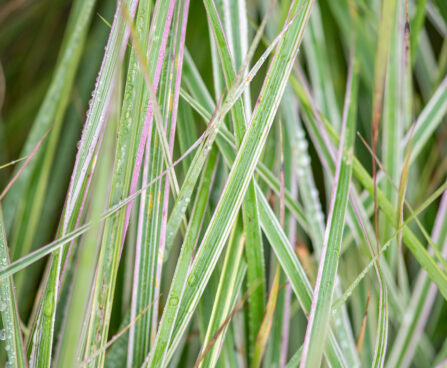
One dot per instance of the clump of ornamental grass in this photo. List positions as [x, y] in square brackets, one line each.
[223, 183]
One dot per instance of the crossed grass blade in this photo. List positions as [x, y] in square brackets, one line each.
[44, 325]
[248, 155]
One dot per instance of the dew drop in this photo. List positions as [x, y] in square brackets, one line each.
[192, 279]
[301, 171]
[49, 305]
[173, 301]
[303, 145]
[305, 160]
[2, 334]
[320, 217]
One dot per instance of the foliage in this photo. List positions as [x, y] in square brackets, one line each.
[223, 183]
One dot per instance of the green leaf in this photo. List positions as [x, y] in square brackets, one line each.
[11, 332]
[320, 313]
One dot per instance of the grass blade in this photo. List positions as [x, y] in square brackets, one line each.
[217, 232]
[421, 302]
[319, 316]
[123, 182]
[253, 248]
[91, 134]
[234, 265]
[50, 115]
[11, 332]
[158, 352]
